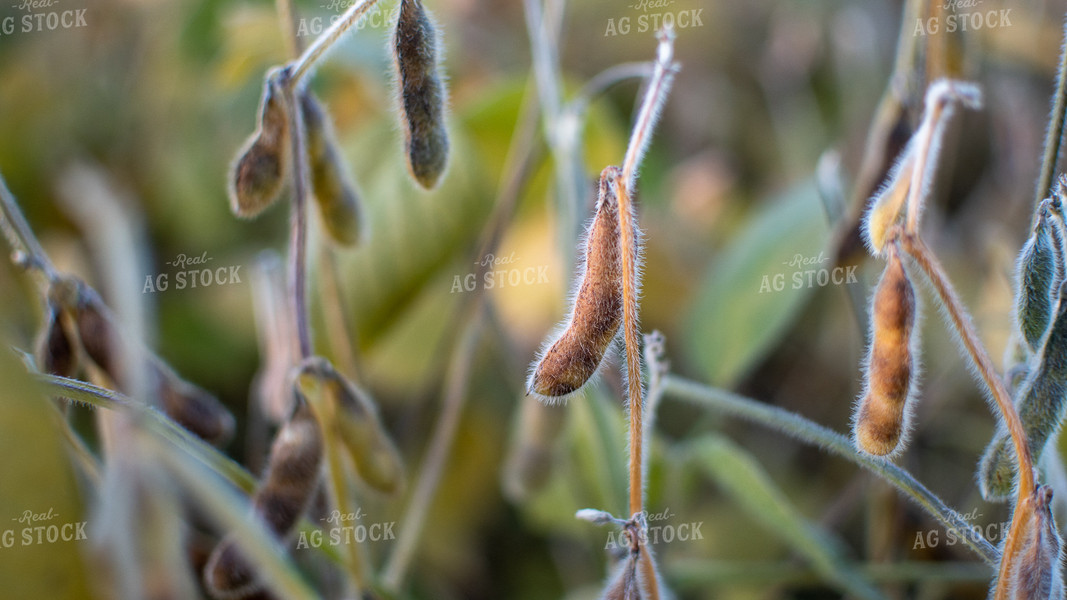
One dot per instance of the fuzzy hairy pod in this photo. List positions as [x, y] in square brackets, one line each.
[355, 418]
[1035, 558]
[261, 169]
[56, 351]
[422, 93]
[1035, 280]
[567, 362]
[891, 371]
[1041, 402]
[283, 495]
[530, 458]
[888, 203]
[331, 183]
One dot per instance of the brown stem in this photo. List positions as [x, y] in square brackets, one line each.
[929, 264]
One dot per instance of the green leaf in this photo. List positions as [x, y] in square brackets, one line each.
[739, 315]
[744, 479]
[37, 479]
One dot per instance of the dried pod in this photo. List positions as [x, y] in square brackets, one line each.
[1031, 563]
[422, 93]
[355, 418]
[56, 351]
[882, 413]
[1041, 405]
[191, 407]
[99, 335]
[1035, 280]
[260, 171]
[568, 361]
[530, 458]
[887, 204]
[283, 495]
[331, 183]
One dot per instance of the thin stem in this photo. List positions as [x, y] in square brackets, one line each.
[324, 42]
[961, 322]
[325, 413]
[631, 335]
[338, 326]
[432, 469]
[604, 80]
[20, 236]
[1054, 135]
[517, 170]
[298, 218]
[655, 97]
[924, 139]
[812, 433]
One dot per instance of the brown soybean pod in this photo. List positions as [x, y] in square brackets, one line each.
[882, 412]
[283, 495]
[596, 315]
[56, 352]
[259, 173]
[422, 93]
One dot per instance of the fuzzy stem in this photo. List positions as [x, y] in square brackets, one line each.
[655, 97]
[298, 216]
[631, 335]
[20, 236]
[961, 321]
[318, 48]
[812, 433]
[1054, 135]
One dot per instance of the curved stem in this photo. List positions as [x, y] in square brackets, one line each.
[961, 321]
[812, 433]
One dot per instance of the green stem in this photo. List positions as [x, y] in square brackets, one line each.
[1054, 135]
[807, 431]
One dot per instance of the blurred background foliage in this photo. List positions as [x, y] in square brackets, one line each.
[160, 94]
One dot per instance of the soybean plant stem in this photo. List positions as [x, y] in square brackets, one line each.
[311, 55]
[961, 322]
[20, 236]
[1054, 135]
[298, 219]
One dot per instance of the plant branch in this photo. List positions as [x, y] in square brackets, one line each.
[812, 433]
[961, 322]
[1054, 135]
[311, 55]
[298, 216]
[20, 236]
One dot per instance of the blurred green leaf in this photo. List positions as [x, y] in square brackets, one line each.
[40, 482]
[739, 314]
[741, 477]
